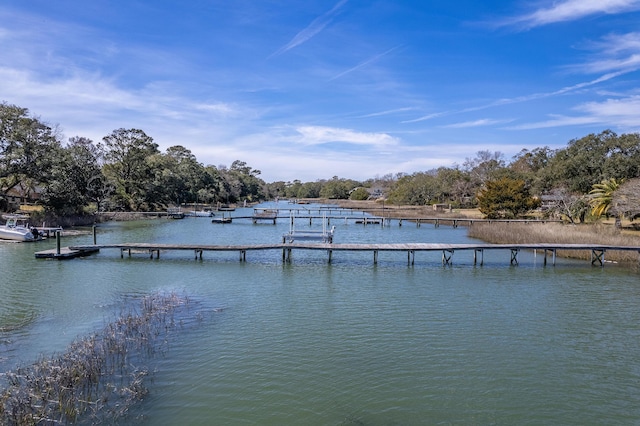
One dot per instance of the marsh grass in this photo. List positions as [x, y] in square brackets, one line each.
[532, 233]
[99, 377]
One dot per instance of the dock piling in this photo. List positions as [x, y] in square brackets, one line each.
[58, 243]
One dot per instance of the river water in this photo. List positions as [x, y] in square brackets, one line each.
[346, 343]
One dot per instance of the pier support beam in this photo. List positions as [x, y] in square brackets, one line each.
[597, 255]
[475, 256]
[375, 257]
[446, 257]
[553, 256]
[514, 256]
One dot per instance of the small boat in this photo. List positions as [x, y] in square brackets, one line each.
[15, 230]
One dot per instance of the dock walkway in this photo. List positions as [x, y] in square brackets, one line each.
[597, 250]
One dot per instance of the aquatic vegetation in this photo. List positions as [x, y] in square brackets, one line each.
[99, 377]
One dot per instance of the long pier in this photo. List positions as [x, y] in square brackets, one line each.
[329, 214]
[549, 250]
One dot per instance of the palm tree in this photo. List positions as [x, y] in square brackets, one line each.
[601, 195]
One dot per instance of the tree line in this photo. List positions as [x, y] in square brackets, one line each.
[127, 171]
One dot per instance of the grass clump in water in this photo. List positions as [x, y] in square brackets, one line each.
[96, 380]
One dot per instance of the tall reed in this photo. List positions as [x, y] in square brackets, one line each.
[532, 233]
[96, 380]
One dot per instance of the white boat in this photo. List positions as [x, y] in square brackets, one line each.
[15, 231]
[200, 213]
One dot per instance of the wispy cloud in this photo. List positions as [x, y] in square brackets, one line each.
[621, 113]
[318, 135]
[312, 30]
[521, 99]
[476, 123]
[365, 63]
[615, 52]
[387, 112]
[571, 10]
[430, 116]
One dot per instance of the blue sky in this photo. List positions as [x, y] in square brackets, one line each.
[320, 88]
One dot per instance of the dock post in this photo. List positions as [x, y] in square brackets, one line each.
[597, 256]
[330, 253]
[475, 256]
[375, 257]
[514, 256]
[446, 257]
[95, 240]
[58, 243]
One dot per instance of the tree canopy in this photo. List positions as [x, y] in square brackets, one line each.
[127, 171]
[505, 198]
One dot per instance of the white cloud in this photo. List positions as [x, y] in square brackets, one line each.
[615, 52]
[476, 123]
[621, 112]
[618, 113]
[571, 10]
[318, 135]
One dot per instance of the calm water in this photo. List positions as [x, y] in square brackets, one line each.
[348, 343]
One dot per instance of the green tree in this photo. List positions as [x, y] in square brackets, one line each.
[417, 189]
[27, 147]
[359, 193]
[506, 198]
[127, 165]
[310, 190]
[74, 175]
[592, 159]
[337, 188]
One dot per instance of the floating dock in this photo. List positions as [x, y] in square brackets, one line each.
[65, 253]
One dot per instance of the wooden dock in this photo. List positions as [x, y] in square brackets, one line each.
[150, 249]
[273, 215]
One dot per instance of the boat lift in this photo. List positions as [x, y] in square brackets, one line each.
[323, 236]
